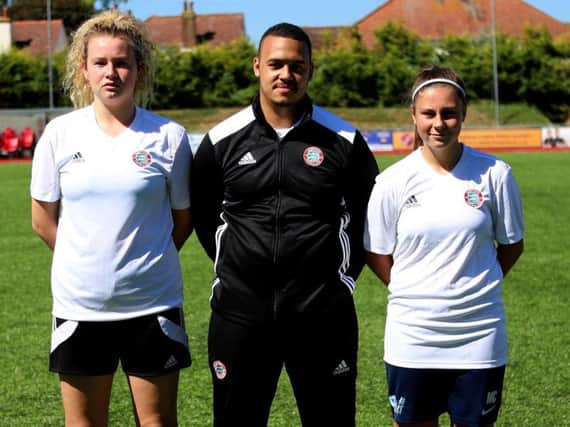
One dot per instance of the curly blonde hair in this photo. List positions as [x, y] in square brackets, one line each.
[116, 24]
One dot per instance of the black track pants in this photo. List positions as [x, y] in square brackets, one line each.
[319, 352]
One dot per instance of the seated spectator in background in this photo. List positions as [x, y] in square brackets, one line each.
[27, 142]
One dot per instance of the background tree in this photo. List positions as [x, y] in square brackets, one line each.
[231, 81]
[22, 81]
[545, 79]
[205, 77]
[472, 59]
[534, 69]
[401, 53]
[345, 78]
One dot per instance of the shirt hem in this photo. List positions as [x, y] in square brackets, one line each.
[446, 364]
[98, 316]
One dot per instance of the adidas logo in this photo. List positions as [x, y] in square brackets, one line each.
[77, 156]
[412, 202]
[341, 368]
[170, 362]
[247, 159]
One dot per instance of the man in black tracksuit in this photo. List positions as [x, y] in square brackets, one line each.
[279, 195]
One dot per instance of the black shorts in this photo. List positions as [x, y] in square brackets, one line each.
[470, 396]
[147, 346]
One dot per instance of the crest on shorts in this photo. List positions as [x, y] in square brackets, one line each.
[142, 158]
[473, 198]
[219, 369]
[313, 156]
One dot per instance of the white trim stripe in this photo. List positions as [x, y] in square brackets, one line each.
[334, 123]
[214, 284]
[231, 125]
[218, 238]
[345, 246]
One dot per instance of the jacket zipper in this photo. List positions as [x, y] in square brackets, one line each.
[277, 222]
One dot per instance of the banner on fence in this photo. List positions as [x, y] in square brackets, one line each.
[385, 140]
[482, 138]
[378, 140]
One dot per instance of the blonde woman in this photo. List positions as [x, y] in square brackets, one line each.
[110, 197]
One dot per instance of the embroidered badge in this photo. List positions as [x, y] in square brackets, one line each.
[142, 158]
[313, 156]
[219, 369]
[473, 198]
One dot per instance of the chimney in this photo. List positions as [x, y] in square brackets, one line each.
[188, 25]
[5, 31]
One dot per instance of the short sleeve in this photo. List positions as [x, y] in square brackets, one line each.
[45, 185]
[380, 233]
[179, 180]
[508, 220]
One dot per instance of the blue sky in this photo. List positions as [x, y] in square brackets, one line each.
[260, 14]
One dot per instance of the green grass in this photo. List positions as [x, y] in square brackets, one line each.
[537, 388]
[479, 114]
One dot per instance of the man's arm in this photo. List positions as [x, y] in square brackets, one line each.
[206, 193]
[362, 171]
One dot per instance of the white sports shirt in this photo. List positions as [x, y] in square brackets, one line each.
[114, 257]
[445, 309]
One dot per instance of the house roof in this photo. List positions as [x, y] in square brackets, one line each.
[439, 18]
[322, 37]
[32, 35]
[169, 30]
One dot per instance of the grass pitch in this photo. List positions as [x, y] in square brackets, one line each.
[536, 292]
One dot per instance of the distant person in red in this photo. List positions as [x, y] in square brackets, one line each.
[9, 143]
[27, 141]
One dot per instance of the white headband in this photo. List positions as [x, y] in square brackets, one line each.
[433, 81]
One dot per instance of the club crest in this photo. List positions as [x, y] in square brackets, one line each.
[142, 158]
[219, 369]
[313, 156]
[473, 198]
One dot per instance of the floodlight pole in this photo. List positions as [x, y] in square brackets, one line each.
[495, 67]
[49, 43]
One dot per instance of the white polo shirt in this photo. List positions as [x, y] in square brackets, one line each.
[445, 308]
[114, 257]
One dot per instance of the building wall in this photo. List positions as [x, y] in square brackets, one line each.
[5, 35]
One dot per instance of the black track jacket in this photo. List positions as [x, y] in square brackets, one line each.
[282, 220]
